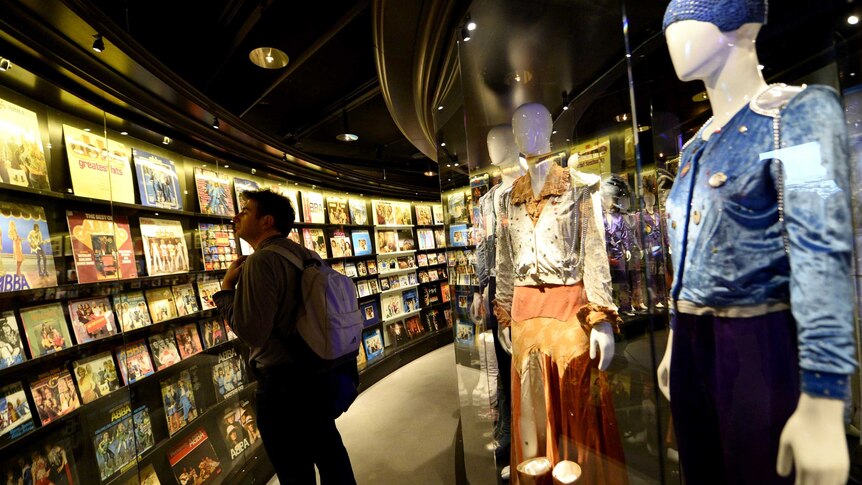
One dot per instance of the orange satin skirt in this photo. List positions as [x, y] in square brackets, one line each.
[561, 403]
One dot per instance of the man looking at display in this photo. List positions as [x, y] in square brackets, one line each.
[260, 298]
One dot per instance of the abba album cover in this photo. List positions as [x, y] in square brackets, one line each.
[338, 211]
[92, 319]
[228, 374]
[114, 439]
[218, 245]
[102, 246]
[239, 428]
[194, 461]
[213, 332]
[131, 310]
[437, 212]
[185, 299]
[160, 301]
[46, 329]
[26, 255]
[340, 244]
[20, 135]
[178, 398]
[52, 458]
[145, 476]
[241, 186]
[15, 417]
[158, 183]
[312, 207]
[206, 290]
[361, 243]
[55, 395]
[423, 215]
[165, 248]
[163, 346]
[215, 193]
[134, 361]
[188, 340]
[358, 211]
[96, 376]
[99, 167]
[11, 345]
[373, 342]
[314, 240]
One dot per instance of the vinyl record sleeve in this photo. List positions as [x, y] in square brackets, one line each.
[215, 193]
[102, 246]
[165, 248]
[46, 329]
[96, 376]
[158, 183]
[99, 167]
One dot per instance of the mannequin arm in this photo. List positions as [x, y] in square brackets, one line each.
[505, 336]
[602, 340]
[664, 367]
[813, 441]
[477, 308]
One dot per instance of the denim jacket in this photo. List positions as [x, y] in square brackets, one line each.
[564, 247]
[486, 247]
[738, 251]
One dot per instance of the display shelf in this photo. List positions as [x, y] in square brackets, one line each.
[401, 316]
[396, 253]
[397, 271]
[400, 288]
[429, 226]
[394, 226]
[431, 265]
[341, 258]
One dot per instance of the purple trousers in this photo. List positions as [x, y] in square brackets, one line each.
[734, 382]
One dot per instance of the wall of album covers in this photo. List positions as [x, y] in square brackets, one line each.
[115, 366]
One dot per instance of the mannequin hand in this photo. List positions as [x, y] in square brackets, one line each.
[503, 318]
[602, 340]
[504, 334]
[813, 440]
[664, 368]
[477, 309]
[628, 255]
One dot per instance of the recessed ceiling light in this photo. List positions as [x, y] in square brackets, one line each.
[456, 164]
[227, 166]
[554, 132]
[621, 118]
[440, 108]
[471, 26]
[443, 144]
[87, 130]
[853, 20]
[465, 34]
[449, 165]
[124, 133]
[268, 57]
[215, 123]
[166, 141]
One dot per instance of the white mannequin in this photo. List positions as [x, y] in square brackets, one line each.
[813, 438]
[504, 155]
[532, 126]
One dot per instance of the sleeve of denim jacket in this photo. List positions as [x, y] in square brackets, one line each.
[482, 270]
[818, 222]
[505, 265]
[597, 273]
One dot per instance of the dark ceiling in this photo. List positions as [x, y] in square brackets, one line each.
[331, 71]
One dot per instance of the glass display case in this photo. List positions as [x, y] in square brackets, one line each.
[587, 101]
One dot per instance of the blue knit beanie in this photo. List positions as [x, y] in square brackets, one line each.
[727, 15]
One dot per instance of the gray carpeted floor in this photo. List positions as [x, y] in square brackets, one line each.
[402, 429]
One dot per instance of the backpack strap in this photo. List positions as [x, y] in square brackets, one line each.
[291, 256]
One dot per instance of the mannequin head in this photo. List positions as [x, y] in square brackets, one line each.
[532, 126]
[699, 50]
[502, 147]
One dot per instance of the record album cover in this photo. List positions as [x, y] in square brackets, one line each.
[218, 245]
[372, 267]
[340, 244]
[387, 242]
[426, 238]
[370, 313]
[114, 439]
[358, 212]
[194, 460]
[26, 256]
[361, 243]
[373, 342]
[188, 340]
[185, 299]
[228, 375]
[165, 248]
[391, 305]
[215, 193]
[102, 246]
[239, 428]
[312, 207]
[338, 211]
[410, 300]
[213, 332]
[423, 215]
[459, 235]
[52, 459]
[96, 376]
[241, 186]
[55, 395]
[397, 333]
[11, 345]
[21, 137]
[178, 398]
[414, 327]
[457, 208]
[46, 329]
[164, 349]
[132, 310]
[437, 212]
[100, 168]
[160, 301]
[134, 361]
[206, 290]
[313, 239]
[145, 476]
[158, 183]
[15, 417]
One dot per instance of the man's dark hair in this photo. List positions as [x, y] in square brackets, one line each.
[271, 204]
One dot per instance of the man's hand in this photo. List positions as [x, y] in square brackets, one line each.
[232, 275]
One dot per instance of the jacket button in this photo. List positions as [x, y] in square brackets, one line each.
[743, 129]
[673, 224]
[696, 216]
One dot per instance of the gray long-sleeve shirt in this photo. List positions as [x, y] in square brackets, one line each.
[262, 309]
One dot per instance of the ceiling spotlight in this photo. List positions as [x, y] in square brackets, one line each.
[554, 132]
[442, 143]
[346, 135]
[215, 122]
[471, 25]
[166, 141]
[226, 166]
[268, 57]
[449, 165]
[98, 44]
[621, 118]
[465, 34]
[440, 108]
[124, 133]
[853, 20]
[429, 172]
[5, 64]
[565, 107]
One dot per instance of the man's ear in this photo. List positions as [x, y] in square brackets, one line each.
[268, 221]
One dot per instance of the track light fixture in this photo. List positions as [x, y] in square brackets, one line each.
[5, 64]
[471, 25]
[215, 123]
[166, 141]
[284, 157]
[99, 43]
[430, 172]
[346, 135]
[465, 34]
[565, 101]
